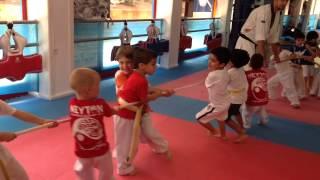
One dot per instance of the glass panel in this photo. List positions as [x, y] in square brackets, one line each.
[197, 39]
[131, 9]
[107, 48]
[30, 82]
[202, 26]
[83, 30]
[29, 31]
[91, 50]
[10, 10]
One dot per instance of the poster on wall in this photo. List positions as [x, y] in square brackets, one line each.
[91, 9]
[202, 5]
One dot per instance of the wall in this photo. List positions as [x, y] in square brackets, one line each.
[55, 44]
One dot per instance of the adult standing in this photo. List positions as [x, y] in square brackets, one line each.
[262, 26]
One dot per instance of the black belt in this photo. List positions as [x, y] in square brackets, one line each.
[247, 38]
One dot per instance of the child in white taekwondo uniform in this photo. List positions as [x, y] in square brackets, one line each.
[285, 77]
[216, 83]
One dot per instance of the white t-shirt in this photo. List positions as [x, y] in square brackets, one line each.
[5, 109]
[216, 83]
[237, 86]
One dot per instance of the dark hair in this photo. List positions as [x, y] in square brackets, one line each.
[222, 54]
[299, 35]
[256, 61]
[142, 55]
[312, 35]
[124, 51]
[239, 58]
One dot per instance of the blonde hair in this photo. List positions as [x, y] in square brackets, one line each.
[82, 78]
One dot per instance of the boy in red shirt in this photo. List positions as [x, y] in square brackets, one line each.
[86, 113]
[257, 92]
[136, 89]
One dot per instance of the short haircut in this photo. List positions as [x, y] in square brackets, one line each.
[312, 35]
[142, 55]
[256, 61]
[124, 51]
[299, 35]
[222, 54]
[239, 58]
[82, 78]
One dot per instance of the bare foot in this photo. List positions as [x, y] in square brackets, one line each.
[241, 138]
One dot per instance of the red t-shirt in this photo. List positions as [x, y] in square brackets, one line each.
[257, 90]
[88, 127]
[135, 89]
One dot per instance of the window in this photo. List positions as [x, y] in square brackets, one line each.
[131, 9]
[202, 8]
[10, 10]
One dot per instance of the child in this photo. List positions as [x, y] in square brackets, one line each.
[216, 83]
[285, 77]
[300, 65]
[86, 113]
[312, 45]
[10, 168]
[257, 92]
[136, 90]
[308, 69]
[124, 57]
[237, 88]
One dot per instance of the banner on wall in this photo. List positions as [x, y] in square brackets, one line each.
[91, 9]
[203, 5]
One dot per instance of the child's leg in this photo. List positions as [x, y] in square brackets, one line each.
[315, 83]
[234, 110]
[84, 168]
[287, 82]
[154, 138]
[105, 167]
[248, 112]
[264, 118]
[235, 126]
[11, 167]
[222, 129]
[205, 116]
[299, 83]
[209, 127]
[273, 83]
[123, 132]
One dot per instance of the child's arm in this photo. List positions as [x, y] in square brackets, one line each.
[28, 117]
[7, 136]
[162, 92]
[153, 95]
[6, 109]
